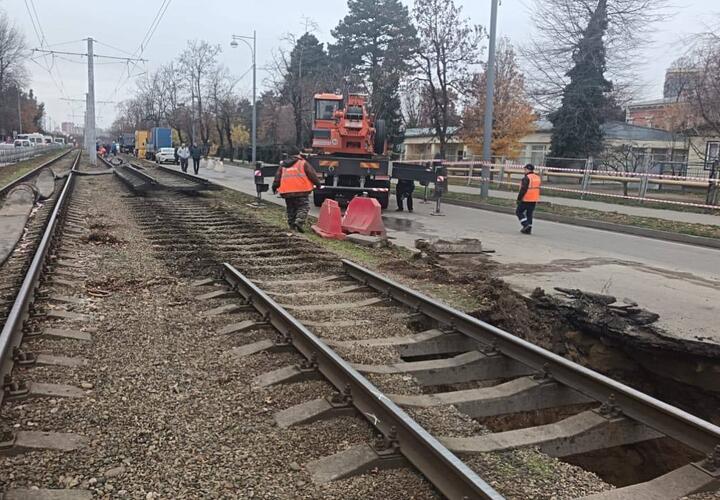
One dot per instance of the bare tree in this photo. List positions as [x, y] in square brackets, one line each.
[624, 158]
[449, 46]
[175, 96]
[12, 55]
[559, 28]
[197, 62]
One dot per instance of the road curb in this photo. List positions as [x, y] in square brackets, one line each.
[700, 241]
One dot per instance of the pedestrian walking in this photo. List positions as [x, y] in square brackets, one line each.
[404, 190]
[184, 154]
[295, 180]
[114, 149]
[527, 198]
[196, 153]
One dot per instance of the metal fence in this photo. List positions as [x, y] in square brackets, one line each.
[14, 154]
[584, 178]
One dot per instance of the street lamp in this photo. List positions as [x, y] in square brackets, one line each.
[234, 44]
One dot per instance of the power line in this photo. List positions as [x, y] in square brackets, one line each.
[143, 46]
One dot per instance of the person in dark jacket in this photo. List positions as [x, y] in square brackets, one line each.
[195, 153]
[527, 198]
[295, 180]
[404, 190]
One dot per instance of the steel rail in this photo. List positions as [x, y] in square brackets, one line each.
[26, 176]
[184, 175]
[11, 334]
[443, 469]
[695, 432]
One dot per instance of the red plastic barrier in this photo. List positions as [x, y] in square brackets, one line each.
[363, 216]
[330, 222]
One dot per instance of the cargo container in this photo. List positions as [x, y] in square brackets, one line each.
[159, 137]
[127, 143]
[141, 137]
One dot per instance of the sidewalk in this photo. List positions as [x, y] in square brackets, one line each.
[671, 215]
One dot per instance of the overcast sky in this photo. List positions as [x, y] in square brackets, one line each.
[123, 24]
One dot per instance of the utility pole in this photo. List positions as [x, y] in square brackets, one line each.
[91, 103]
[253, 48]
[489, 105]
[19, 112]
[89, 131]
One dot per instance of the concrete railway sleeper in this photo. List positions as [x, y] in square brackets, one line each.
[45, 274]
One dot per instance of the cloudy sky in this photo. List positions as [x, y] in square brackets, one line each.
[119, 27]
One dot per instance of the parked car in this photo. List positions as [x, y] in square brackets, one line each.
[22, 143]
[165, 155]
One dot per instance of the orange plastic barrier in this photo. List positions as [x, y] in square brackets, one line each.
[363, 216]
[330, 221]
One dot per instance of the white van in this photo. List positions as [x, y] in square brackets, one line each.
[22, 143]
[59, 140]
[48, 139]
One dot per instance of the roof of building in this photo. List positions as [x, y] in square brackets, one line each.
[612, 130]
[428, 132]
[652, 102]
[626, 131]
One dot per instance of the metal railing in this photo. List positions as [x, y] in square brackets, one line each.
[15, 154]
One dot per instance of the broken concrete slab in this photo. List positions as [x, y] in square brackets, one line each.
[68, 315]
[467, 246]
[367, 241]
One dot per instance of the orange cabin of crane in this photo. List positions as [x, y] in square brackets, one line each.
[345, 127]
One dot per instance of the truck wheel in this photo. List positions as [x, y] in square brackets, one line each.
[380, 137]
[318, 199]
[384, 200]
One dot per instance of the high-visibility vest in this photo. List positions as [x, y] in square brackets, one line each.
[294, 179]
[533, 192]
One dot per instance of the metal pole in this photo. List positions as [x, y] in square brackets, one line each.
[19, 112]
[254, 107]
[91, 102]
[489, 97]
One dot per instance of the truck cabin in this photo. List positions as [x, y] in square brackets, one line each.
[326, 105]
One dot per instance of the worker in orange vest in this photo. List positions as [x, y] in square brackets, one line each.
[295, 180]
[527, 198]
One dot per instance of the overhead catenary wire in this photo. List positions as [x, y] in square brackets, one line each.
[142, 47]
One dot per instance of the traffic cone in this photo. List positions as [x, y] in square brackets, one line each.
[330, 222]
[363, 216]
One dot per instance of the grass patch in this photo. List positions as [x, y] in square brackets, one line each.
[692, 229]
[9, 173]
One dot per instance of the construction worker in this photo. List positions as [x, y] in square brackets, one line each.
[404, 190]
[295, 180]
[527, 198]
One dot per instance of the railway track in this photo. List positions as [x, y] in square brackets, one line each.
[600, 413]
[393, 357]
[32, 173]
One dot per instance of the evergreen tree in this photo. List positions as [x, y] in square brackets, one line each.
[577, 125]
[305, 73]
[375, 41]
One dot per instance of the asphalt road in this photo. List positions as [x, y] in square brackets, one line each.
[679, 282]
